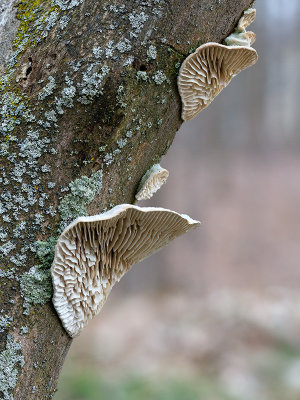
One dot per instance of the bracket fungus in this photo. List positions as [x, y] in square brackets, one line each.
[240, 37]
[247, 18]
[245, 39]
[208, 70]
[93, 253]
[153, 179]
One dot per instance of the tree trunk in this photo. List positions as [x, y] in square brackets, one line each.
[88, 103]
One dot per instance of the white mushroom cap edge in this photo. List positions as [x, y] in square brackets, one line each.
[94, 252]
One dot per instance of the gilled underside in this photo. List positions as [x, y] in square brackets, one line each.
[91, 256]
[207, 71]
[247, 18]
[152, 183]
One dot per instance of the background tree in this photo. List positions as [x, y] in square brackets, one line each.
[88, 103]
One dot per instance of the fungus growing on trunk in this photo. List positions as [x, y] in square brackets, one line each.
[93, 253]
[247, 18]
[204, 73]
[245, 39]
[153, 179]
[240, 37]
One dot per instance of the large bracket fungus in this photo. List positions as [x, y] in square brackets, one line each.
[93, 253]
[153, 179]
[211, 67]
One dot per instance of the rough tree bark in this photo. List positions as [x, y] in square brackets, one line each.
[88, 103]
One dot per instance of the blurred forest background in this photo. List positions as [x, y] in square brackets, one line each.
[215, 315]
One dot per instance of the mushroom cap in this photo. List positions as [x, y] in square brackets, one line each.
[207, 71]
[94, 252]
[153, 180]
[247, 18]
[245, 39]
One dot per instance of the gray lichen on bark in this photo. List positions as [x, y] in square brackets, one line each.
[10, 358]
[8, 28]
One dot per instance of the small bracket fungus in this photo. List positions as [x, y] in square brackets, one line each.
[95, 252]
[207, 71]
[245, 39]
[240, 37]
[247, 18]
[153, 179]
[211, 67]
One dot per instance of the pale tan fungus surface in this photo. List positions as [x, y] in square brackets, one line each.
[153, 180]
[245, 39]
[240, 37]
[211, 67]
[93, 253]
[207, 71]
[247, 18]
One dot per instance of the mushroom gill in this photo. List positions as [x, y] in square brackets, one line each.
[93, 253]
